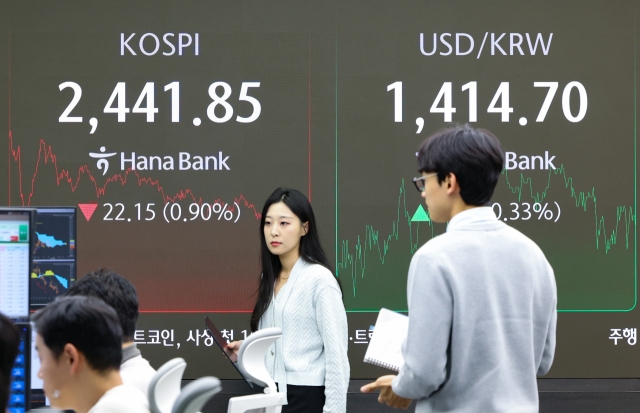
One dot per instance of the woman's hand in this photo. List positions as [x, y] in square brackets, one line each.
[232, 350]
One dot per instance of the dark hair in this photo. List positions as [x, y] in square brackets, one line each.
[310, 248]
[9, 342]
[86, 322]
[115, 290]
[474, 156]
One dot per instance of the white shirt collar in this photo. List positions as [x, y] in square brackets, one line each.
[472, 216]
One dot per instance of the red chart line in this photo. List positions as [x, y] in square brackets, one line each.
[46, 155]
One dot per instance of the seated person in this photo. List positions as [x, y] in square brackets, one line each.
[79, 343]
[119, 293]
[9, 342]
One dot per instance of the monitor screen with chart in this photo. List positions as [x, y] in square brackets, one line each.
[54, 256]
[15, 262]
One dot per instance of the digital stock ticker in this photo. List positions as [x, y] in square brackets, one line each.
[168, 127]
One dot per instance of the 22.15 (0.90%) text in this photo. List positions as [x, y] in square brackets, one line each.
[174, 212]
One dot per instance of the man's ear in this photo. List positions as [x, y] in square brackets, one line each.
[452, 184]
[71, 356]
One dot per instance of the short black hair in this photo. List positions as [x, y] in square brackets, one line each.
[474, 156]
[86, 322]
[9, 342]
[115, 290]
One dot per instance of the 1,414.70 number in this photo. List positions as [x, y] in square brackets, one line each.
[443, 102]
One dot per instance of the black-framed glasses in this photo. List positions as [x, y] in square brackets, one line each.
[419, 181]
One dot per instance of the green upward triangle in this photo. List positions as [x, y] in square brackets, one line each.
[420, 215]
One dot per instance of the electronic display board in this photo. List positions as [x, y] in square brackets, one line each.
[169, 125]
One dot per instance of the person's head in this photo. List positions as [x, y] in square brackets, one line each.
[287, 230]
[460, 168]
[287, 218]
[9, 342]
[115, 290]
[79, 343]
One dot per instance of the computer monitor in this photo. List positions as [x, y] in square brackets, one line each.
[19, 397]
[38, 398]
[54, 255]
[15, 261]
[53, 272]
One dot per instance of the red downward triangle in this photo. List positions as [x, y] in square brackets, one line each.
[88, 210]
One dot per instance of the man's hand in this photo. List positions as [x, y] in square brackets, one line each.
[386, 392]
[232, 350]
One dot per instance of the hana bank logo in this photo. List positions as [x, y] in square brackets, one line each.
[103, 163]
[184, 161]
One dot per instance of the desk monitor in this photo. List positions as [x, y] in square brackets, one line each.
[54, 255]
[38, 399]
[15, 261]
[19, 388]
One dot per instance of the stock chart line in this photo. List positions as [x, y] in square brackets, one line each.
[582, 199]
[371, 240]
[46, 155]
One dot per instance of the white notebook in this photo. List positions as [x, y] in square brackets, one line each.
[385, 346]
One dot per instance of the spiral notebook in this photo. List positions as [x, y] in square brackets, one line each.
[385, 346]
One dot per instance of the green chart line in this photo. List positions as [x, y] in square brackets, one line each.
[581, 199]
[373, 242]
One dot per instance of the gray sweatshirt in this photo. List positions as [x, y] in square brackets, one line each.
[482, 319]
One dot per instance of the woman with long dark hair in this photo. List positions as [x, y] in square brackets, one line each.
[299, 293]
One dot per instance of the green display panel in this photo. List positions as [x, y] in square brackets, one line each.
[540, 86]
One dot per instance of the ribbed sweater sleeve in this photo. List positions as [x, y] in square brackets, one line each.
[332, 324]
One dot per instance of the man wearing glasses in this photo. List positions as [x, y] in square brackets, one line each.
[482, 297]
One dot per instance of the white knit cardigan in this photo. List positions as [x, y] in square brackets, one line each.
[313, 348]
